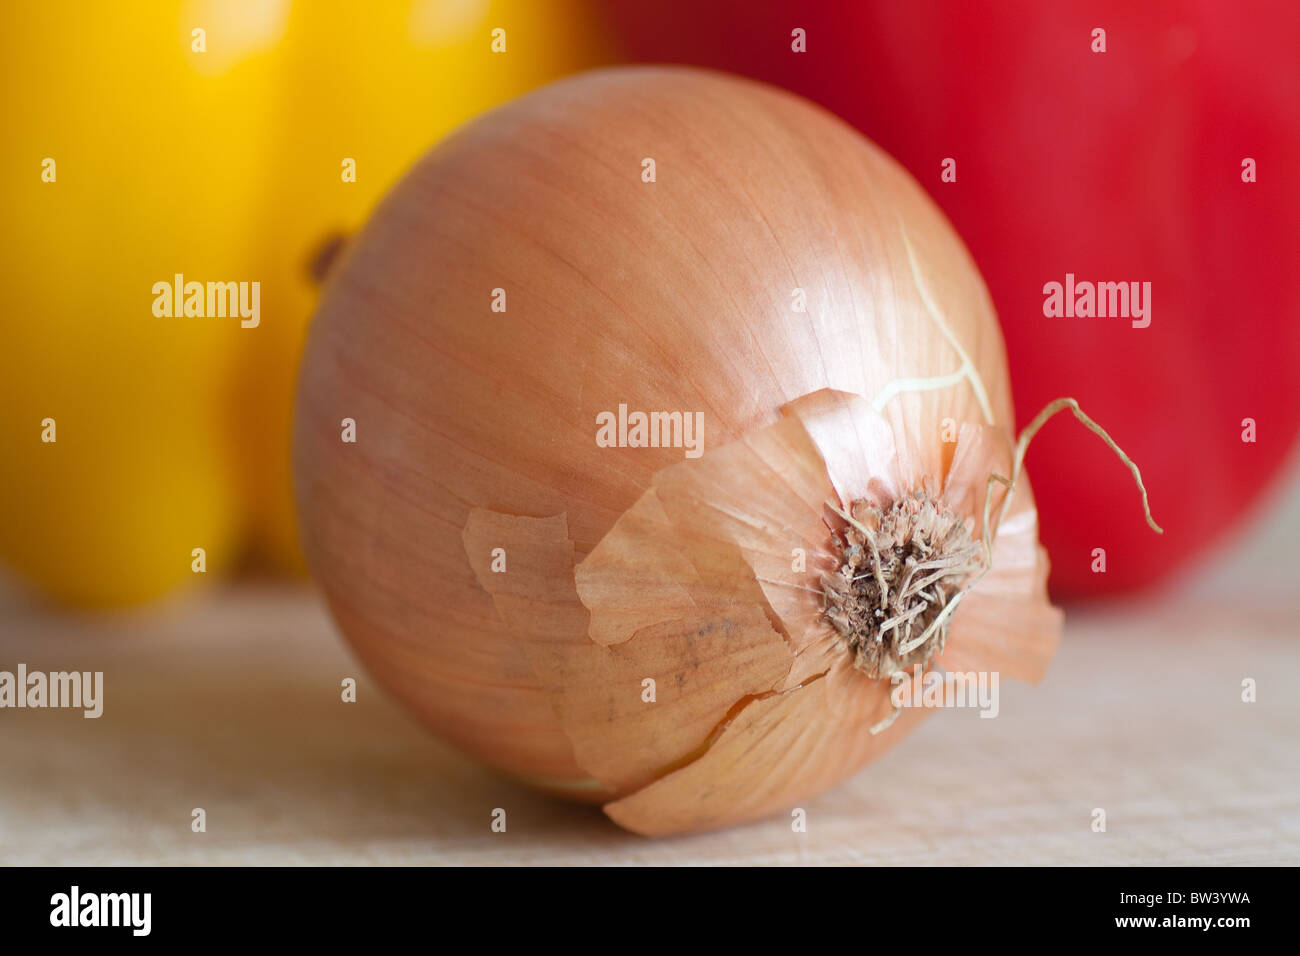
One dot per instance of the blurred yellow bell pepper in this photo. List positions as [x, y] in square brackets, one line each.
[225, 141]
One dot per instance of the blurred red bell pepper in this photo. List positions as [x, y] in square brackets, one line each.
[1116, 166]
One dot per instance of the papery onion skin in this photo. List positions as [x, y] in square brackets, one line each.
[671, 295]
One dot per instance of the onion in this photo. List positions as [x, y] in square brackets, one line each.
[673, 635]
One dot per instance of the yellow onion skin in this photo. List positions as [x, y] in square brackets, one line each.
[672, 294]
